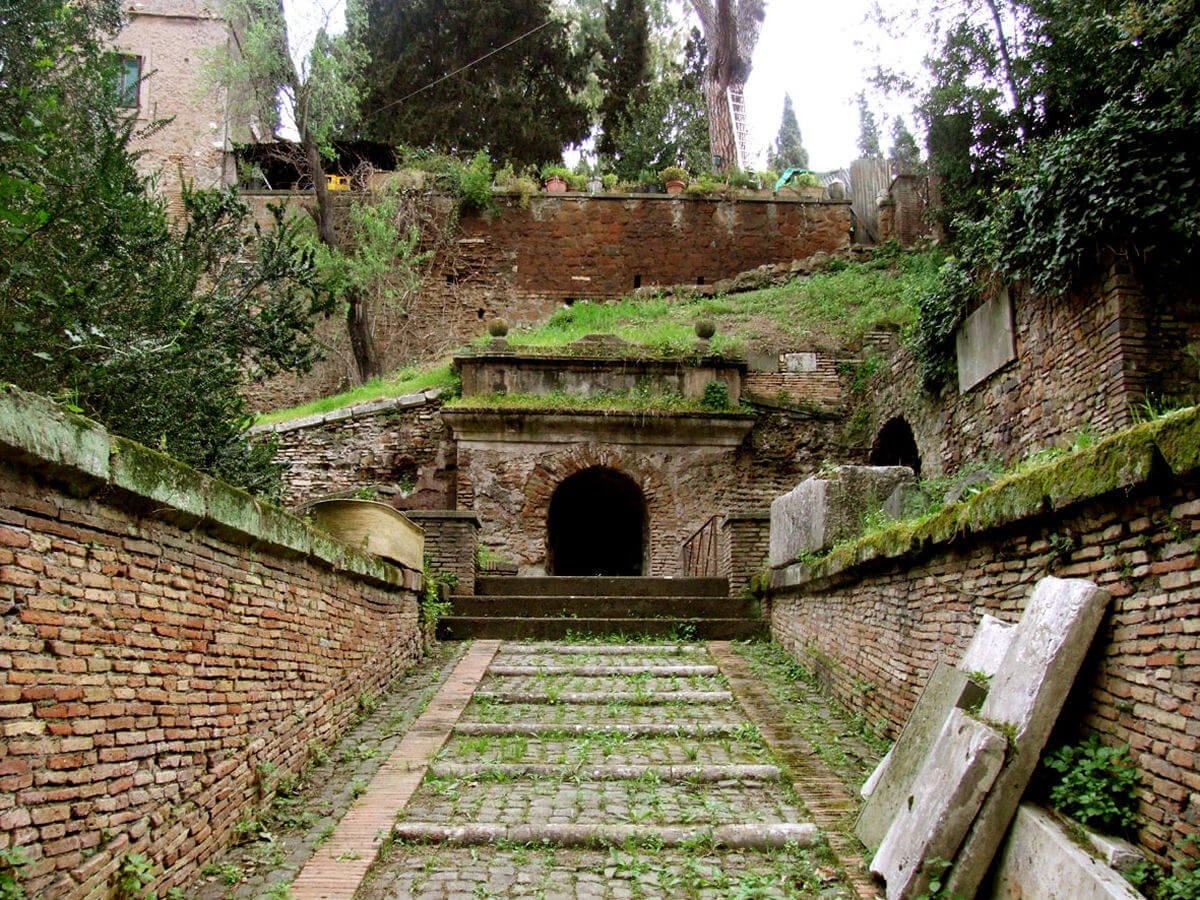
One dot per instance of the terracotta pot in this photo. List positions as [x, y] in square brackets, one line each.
[556, 185]
[675, 187]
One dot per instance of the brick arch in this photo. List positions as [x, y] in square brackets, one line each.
[552, 470]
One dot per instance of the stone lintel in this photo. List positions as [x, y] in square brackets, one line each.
[515, 426]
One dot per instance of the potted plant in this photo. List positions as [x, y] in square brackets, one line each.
[674, 179]
[555, 177]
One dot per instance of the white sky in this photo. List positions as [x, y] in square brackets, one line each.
[820, 53]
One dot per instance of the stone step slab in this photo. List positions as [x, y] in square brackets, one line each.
[734, 837]
[634, 698]
[601, 671]
[667, 774]
[601, 607]
[648, 730]
[508, 628]
[514, 648]
[600, 586]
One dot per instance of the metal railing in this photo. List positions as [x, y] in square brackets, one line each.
[702, 552]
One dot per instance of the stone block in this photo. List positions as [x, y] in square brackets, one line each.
[819, 512]
[799, 362]
[36, 427]
[984, 341]
[988, 647]
[1026, 696]
[948, 689]
[947, 792]
[1039, 859]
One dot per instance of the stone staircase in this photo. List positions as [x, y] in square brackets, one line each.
[549, 607]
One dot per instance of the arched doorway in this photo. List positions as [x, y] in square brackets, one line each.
[596, 525]
[895, 446]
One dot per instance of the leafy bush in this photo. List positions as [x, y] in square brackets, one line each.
[475, 183]
[11, 860]
[715, 397]
[1096, 785]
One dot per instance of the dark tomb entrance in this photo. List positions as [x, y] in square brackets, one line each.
[597, 525]
[895, 446]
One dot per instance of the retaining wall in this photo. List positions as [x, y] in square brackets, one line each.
[170, 648]
[874, 617]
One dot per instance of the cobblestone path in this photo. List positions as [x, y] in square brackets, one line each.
[587, 770]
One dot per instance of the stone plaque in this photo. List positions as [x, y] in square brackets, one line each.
[984, 342]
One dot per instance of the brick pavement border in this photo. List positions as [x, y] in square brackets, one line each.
[337, 869]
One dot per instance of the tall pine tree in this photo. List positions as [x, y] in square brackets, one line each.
[789, 149]
[519, 102]
[625, 68]
[868, 129]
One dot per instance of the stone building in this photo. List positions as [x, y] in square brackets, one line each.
[164, 48]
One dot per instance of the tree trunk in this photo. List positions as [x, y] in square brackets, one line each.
[720, 124]
[358, 316]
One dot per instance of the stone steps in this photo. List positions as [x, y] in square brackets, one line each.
[601, 606]
[457, 628]
[599, 586]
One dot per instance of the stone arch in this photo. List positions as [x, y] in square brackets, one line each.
[551, 471]
[895, 445]
[597, 524]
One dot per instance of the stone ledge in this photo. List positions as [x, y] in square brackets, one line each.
[359, 410]
[36, 433]
[517, 426]
[1132, 458]
[465, 515]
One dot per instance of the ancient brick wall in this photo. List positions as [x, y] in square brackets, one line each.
[745, 542]
[824, 386]
[874, 631]
[450, 540]
[523, 264]
[164, 649]
[400, 449]
[1083, 361]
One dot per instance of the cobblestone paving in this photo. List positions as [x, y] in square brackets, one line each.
[567, 798]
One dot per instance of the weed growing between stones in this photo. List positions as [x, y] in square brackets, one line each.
[1095, 784]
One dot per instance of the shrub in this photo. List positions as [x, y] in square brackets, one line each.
[715, 397]
[1096, 784]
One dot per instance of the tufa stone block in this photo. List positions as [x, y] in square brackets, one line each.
[819, 512]
[1026, 696]
[984, 342]
[947, 792]
[948, 689]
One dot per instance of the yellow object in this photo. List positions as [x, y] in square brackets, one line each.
[338, 182]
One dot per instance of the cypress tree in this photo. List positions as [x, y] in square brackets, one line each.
[789, 149]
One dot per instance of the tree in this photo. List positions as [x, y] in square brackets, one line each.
[458, 76]
[905, 154]
[624, 73]
[147, 325]
[731, 28]
[868, 129]
[789, 149]
[668, 125]
[319, 95]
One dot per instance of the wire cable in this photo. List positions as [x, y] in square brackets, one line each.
[474, 62]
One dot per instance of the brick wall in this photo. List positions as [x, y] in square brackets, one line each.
[1084, 360]
[450, 539]
[400, 448]
[523, 264]
[165, 640]
[745, 542]
[874, 630]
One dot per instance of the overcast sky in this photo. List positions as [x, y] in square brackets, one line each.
[818, 52]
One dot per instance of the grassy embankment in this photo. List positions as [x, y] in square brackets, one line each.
[825, 310]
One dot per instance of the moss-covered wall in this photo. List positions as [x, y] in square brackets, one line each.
[166, 641]
[874, 617]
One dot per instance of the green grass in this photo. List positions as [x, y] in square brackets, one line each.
[829, 309]
[408, 380]
[826, 310]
